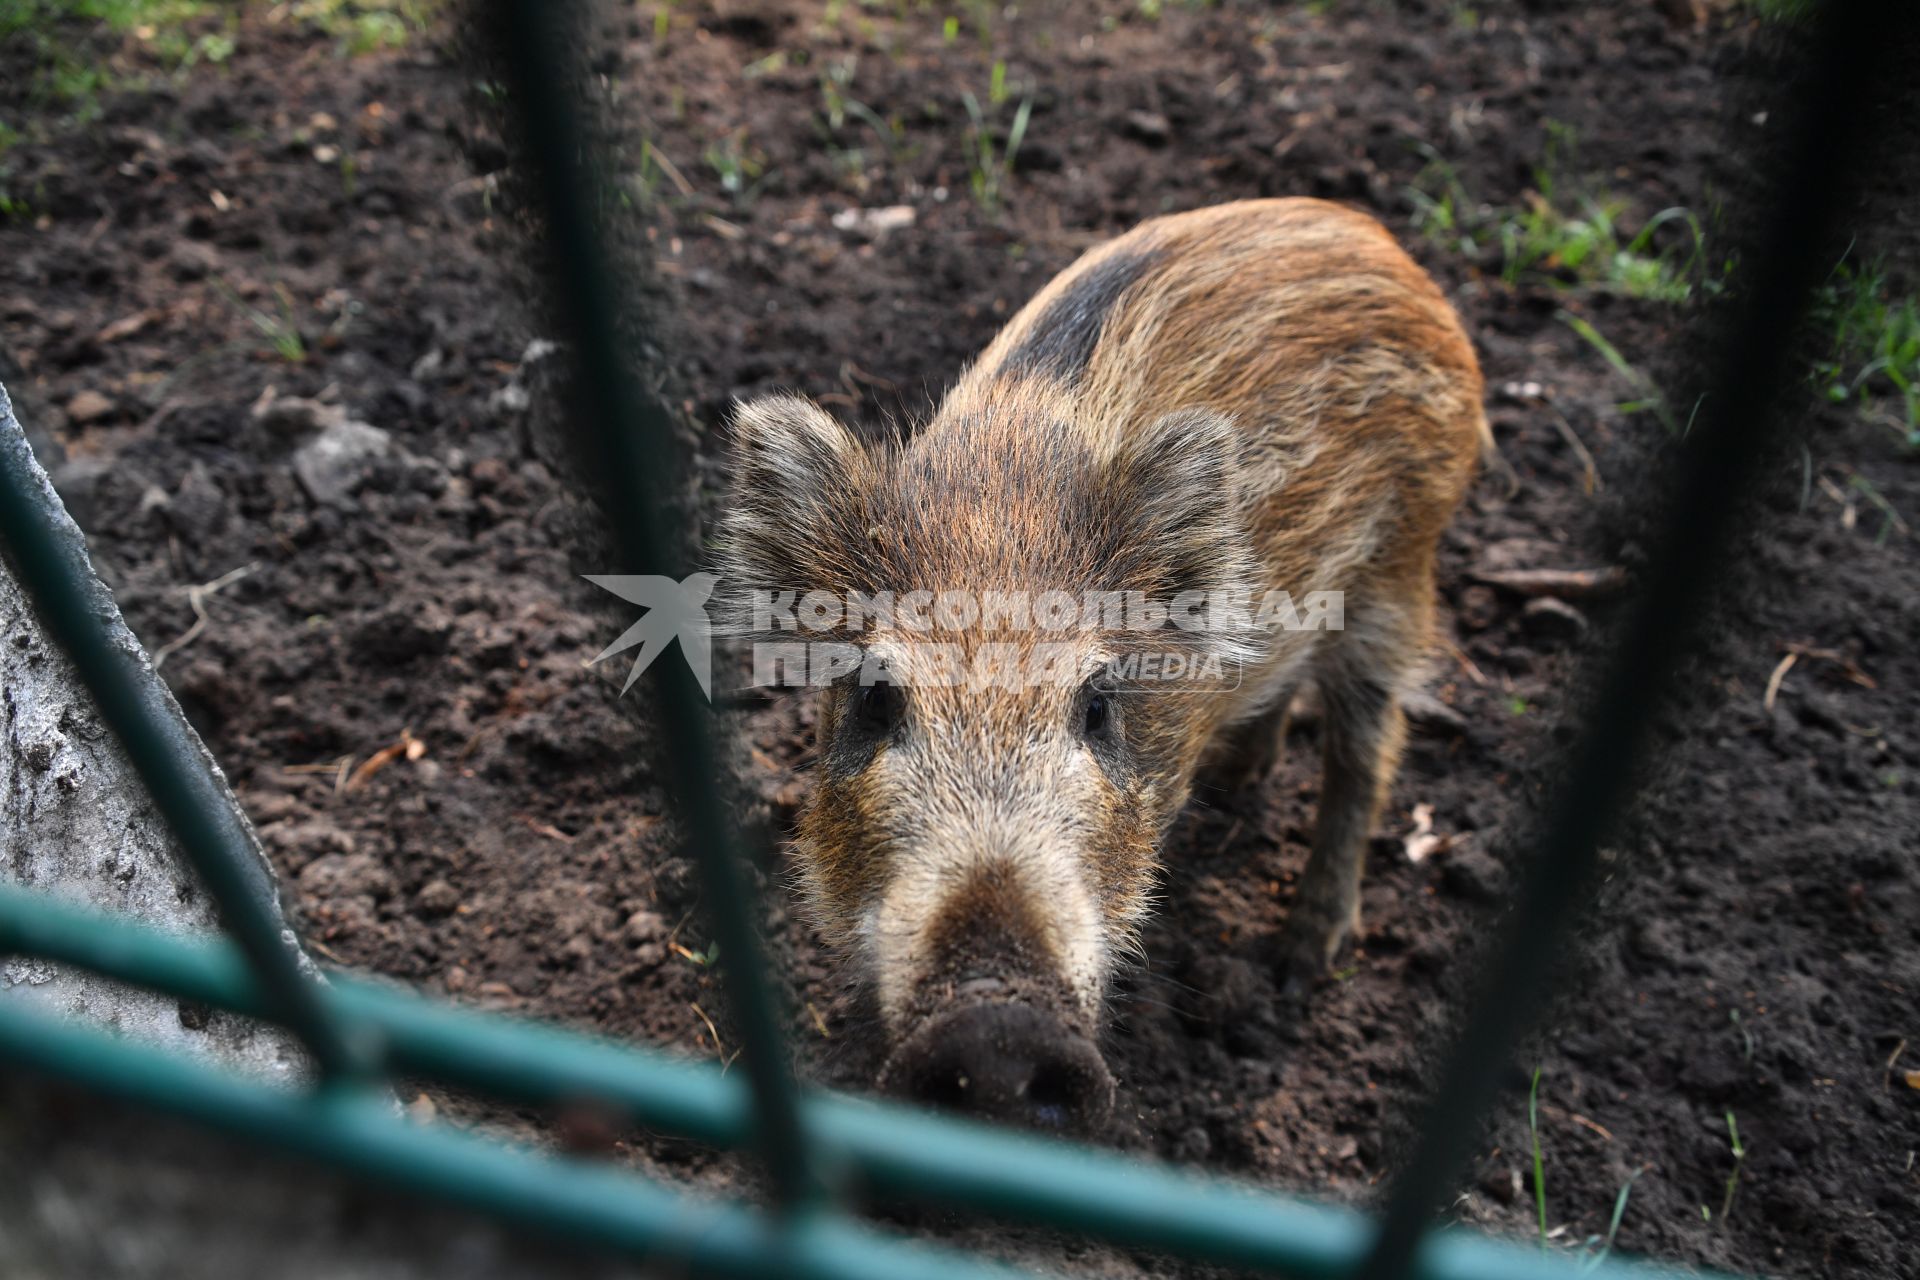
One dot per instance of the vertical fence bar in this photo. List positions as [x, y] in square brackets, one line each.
[50, 559]
[624, 440]
[1721, 462]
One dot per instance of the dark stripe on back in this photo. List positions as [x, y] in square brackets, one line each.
[1061, 341]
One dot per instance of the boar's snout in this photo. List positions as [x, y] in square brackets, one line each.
[1007, 1062]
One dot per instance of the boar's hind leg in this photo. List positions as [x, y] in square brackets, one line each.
[1362, 731]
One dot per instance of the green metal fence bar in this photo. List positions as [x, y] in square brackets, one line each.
[625, 444]
[889, 1153]
[50, 561]
[357, 1130]
[1734, 437]
[509, 1059]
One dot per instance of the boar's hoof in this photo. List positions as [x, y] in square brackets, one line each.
[1308, 946]
[1005, 1062]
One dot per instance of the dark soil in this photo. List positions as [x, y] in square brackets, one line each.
[1755, 954]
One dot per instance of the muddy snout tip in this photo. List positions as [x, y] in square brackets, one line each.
[1005, 1062]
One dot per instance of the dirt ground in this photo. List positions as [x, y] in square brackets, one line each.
[293, 222]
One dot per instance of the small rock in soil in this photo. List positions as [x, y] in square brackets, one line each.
[1554, 618]
[645, 926]
[293, 417]
[1475, 875]
[335, 463]
[199, 510]
[1479, 607]
[1501, 1184]
[1148, 126]
[437, 898]
[88, 407]
[1193, 1146]
[874, 223]
[345, 875]
[98, 491]
[403, 632]
[191, 260]
[301, 843]
[1658, 942]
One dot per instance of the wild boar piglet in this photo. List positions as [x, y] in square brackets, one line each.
[1209, 462]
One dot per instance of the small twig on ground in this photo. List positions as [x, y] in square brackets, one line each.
[323, 766]
[1567, 584]
[672, 170]
[852, 376]
[408, 745]
[719, 1050]
[546, 829]
[1794, 652]
[1848, 667]
[1474, 673]
[1779, 674]
[1872, 493]
[1590, 480]
[197, 599]
[1578, 1119]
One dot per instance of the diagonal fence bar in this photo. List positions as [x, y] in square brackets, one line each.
[1721, 463]
[49, 558]
[624, 439]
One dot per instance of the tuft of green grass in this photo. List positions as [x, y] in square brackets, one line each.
[365, 26]
[1570, 239]
[1154, 10]
[742, 169]
[11, 205]
[117, 15]
[1739, 1151]
[1746, 1036]
[990, 164]
[838, 108]
[1539, 1161]
[279, 329]
[981, 11]
[73, 42]
[1596, 1248]
[1651, 398]
[1872, 347]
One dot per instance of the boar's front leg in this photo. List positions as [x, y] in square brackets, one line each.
[1362, 732]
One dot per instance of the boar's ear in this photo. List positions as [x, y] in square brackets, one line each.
[1177, 486]
[799, 497]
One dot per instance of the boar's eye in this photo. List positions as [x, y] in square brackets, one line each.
[1097, 715]
[877, 707]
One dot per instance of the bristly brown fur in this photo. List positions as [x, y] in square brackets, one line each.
[1263, 395]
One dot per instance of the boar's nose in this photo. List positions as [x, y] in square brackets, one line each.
[1005, 1062]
